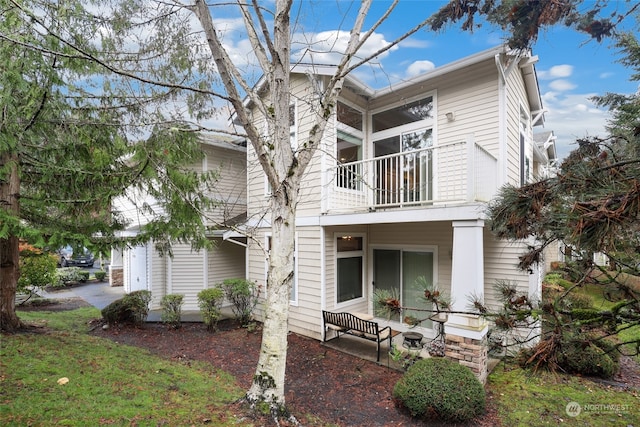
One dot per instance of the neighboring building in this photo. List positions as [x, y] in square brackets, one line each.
[188, 272]
[399, 188]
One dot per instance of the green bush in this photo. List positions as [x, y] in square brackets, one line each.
[84, 276]
[243, 296]
[440, 388]
[36, 271]
[69, 276]
[132, 308]
[210, 302]
[172, 309]
[100, 275]
[580, 355]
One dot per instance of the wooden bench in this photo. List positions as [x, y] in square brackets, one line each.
[349, 323]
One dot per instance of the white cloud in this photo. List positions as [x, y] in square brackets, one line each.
[419, 67]
[417, 44]
[327, 47]
[571, 117]
[562, 85]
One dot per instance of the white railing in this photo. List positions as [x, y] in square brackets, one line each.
[457, 172]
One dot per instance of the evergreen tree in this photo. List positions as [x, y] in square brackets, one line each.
[591, 206]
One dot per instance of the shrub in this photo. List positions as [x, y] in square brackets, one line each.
[132, 308]
[440, 388]
[36, 271]
[210, 302]
[243, 296]
[84, 276]
[69, 276]
[171, 309]
[100, 275]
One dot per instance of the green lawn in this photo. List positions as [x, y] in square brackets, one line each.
[108, 383]
[547, 399]
[113, 384]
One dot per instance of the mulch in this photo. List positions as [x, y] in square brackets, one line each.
[323, 386]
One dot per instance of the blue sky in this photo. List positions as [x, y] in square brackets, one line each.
[570, 70]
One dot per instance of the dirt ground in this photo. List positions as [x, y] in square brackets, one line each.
[333, 387]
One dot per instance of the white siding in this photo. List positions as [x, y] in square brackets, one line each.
[187, 274]
[226, 261]
[230, 189]
[501, 264]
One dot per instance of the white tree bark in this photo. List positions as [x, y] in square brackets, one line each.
[283, 167]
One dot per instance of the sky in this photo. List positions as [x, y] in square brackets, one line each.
[571, 67]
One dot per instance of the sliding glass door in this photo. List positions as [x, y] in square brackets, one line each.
[397, 271]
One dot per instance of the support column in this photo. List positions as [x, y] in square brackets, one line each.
[465, 333]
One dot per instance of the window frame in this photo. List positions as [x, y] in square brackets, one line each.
[350, 254]
[433, 249]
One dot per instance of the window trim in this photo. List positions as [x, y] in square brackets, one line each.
[349, 254]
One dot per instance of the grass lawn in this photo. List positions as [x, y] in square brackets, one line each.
[546, 399]
[108, 384]
[113, 384]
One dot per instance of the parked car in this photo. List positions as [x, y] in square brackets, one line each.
[71, 258]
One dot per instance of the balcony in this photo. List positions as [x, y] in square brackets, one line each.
[446, 174]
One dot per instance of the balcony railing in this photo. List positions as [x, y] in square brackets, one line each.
[452, 173]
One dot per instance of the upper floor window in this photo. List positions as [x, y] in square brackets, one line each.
[525, 147]
[404, 114]
[349, 137]
[349, 116]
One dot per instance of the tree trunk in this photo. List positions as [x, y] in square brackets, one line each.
[9, 250]
[269, 378]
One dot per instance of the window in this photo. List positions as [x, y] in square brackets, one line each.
[293, 297]
[349, 116]
[349, 152]
[404, 114]
[407, 178]
[349, 147]
[397, 271]
[407, 130]
[349, 267]
[525, 147]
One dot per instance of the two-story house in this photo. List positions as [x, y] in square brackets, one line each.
[187, 272]
[398, 190]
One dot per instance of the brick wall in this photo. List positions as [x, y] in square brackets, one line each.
[468, 352]
[116, 276]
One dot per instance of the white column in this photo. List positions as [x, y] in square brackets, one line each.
[467, 277]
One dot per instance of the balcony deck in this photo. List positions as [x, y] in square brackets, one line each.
[446, 174]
